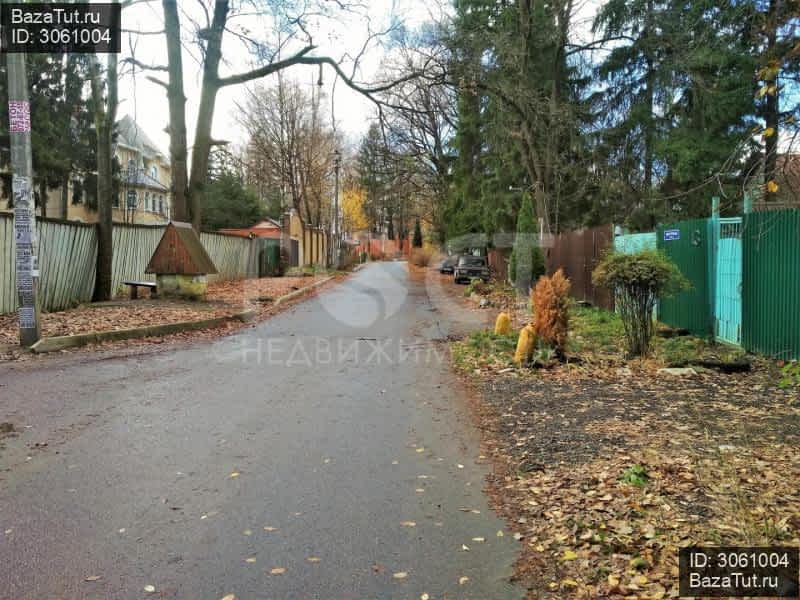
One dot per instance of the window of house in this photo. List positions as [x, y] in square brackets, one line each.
[77, 191]
[147, 206]
[154, 172]
[161, 204]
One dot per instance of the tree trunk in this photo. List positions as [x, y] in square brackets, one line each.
[65, 197]
[177, 113]
[771, 104]
[208, 97]
[105, 119]
[649, 95]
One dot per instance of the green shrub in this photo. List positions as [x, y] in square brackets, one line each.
[638, 280]
[635, 475]
[790, 374]
[477, 286]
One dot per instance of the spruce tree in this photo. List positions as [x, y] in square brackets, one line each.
[417, 240]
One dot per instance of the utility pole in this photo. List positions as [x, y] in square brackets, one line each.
[337, 158]
[27, 266]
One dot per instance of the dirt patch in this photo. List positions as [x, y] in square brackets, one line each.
[224, 298]
[605, 468]
[603, 480]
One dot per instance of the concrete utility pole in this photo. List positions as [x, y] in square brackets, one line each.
[19, 118]
[337, 158]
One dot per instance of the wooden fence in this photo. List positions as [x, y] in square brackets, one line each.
[68, 254]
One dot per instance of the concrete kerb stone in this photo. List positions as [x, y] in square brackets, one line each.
[64, 342]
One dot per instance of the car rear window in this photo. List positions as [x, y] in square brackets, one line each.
[471, 261]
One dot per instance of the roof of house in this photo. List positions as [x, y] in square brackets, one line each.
[131, 135]
[266, 228]
[180, 252]
[266, 224]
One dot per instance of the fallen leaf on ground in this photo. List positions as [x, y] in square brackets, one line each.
[150, 589]
[314, 559]
[234, 475]
[251, 559]
[229, 597]
[93, 578]
[277, 571]
[408, 524]
[462, 580]
[400, 575]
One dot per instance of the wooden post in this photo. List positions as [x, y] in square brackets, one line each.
[27, 266]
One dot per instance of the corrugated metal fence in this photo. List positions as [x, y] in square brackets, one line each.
[771, 283]
[133, 247]
[235, 257]
[755, 303]
[68, 254]
[578, 253]
[635, 242]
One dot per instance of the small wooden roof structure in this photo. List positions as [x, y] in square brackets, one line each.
[180, 253]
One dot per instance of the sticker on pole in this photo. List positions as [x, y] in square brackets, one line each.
[672, 235]
[19, 116]
[27, 317]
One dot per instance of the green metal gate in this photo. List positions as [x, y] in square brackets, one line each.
[728, 286]
[687, 244]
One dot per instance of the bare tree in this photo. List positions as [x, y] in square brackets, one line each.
[419, 128]
[290, 138]
[294, 28]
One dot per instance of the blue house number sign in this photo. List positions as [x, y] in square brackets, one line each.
[671, 235]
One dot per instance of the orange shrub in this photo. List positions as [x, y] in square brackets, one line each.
[550, 299]
[421, 256]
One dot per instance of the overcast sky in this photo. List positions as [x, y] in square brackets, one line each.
[146, 101]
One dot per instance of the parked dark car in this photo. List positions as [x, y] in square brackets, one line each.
[471, 267]
[448, 264]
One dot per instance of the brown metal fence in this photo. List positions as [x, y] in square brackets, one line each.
[498, 263]
[578, 253]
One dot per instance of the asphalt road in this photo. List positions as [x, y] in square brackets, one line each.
[335, 426]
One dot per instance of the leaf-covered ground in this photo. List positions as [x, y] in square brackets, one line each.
[605, 467]
[224, 298]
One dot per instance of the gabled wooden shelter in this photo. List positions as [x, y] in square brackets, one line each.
[180, 252]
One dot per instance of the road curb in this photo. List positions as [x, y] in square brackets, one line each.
[63, 342]
[301, 292]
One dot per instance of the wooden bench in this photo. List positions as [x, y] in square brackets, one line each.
[135, 285]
